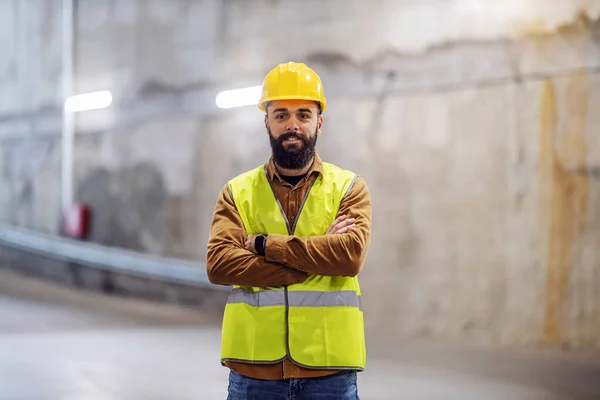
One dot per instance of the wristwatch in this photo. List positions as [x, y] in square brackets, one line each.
[260, 242]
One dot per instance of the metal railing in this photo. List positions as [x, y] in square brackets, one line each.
[107, 257]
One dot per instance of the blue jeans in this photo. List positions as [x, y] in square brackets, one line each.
[340, 386]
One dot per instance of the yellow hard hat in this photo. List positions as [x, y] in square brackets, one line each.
[292, 81]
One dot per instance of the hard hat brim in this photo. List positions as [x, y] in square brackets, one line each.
[261, 104]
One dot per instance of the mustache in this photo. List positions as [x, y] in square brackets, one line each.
[289, 135]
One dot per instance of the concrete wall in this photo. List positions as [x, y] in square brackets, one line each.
[473, 123]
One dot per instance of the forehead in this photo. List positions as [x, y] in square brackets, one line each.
[293, 105]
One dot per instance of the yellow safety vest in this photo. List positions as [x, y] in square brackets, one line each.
[317, 323]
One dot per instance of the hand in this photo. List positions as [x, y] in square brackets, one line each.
[249, 245]
[340, 225]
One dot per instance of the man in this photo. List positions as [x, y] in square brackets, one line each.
[291, 237]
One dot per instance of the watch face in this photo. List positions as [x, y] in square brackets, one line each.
[259, 243]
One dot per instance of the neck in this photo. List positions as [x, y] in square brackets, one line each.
[294, 172]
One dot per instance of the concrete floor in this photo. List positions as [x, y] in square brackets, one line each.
[60, 344]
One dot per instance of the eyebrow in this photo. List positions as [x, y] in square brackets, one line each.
[305, 110]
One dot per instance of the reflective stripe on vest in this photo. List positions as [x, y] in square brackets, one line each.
[299, 298]
[317, 323]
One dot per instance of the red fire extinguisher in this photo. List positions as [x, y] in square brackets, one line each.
[76, 221]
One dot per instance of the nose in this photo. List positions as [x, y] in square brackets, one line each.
[292, 125]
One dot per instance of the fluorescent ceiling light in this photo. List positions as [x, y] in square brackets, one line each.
[239, 97]
[88, 101]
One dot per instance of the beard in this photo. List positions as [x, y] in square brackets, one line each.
[298, 155]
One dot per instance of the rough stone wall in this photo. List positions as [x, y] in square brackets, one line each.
[475, 124]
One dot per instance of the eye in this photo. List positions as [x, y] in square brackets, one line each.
[304, 116]
[279, 116]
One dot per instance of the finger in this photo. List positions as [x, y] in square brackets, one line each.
[334, 223]
[344, 223]
[342, 229]
[338, 219]
[346, 228]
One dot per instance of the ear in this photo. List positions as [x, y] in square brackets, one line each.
[266, 124]
[319, 124]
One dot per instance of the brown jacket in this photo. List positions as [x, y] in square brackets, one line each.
[288, 259]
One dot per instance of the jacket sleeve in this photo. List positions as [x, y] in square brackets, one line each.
[229, 263]
[329, 255]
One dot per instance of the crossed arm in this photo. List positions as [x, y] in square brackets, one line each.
[231, 259]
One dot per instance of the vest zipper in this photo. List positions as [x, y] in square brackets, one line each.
[287, 325]
[291, 229]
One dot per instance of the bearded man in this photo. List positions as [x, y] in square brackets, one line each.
[291, 237]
